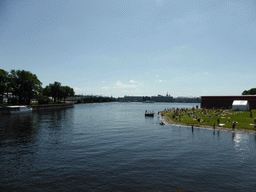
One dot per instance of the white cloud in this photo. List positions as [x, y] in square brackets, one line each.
[103, 81]
[78, 89]
[105, 88]
[121, 85]
[132, 81]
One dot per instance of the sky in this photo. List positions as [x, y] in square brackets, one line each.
[133, 47]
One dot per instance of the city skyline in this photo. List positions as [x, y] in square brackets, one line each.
[117, 48]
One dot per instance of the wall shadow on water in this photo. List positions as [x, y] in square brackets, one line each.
[20, 129]
[17, 129]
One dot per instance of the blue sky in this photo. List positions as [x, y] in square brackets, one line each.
[141, 47]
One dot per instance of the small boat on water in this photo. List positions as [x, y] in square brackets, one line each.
[148, 101]
[149, 113]
[17, 109]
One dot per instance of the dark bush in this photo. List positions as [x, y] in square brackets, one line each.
[43, 99]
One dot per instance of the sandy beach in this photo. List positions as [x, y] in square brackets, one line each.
[168, 121]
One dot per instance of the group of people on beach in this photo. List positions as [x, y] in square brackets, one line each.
[178, 113]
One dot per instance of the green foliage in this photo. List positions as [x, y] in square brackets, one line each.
[43, 99]
[66, 91]
[250, 92]
[55, 91]
[4, 79]
[58, 92]
[25, 85]
[46, 91]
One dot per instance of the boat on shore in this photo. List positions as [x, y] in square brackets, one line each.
[149, 113]
[17, 109]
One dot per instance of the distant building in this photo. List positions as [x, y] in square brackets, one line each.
[133, 99]
[161, 98]
[225, 102]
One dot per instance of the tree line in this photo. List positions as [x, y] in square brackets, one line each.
[249, 92]
[24, 86]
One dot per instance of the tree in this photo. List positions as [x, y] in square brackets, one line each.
[47, 91]
[55, 90]
[67, 92]
[4, 79]
[25, 85]
[42, 99]
[58, 92]
[250, 92]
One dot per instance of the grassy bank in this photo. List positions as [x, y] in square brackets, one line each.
[208, 117]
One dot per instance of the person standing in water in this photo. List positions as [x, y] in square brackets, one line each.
[233, 125]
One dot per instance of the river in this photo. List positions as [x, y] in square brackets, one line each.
[114, 147]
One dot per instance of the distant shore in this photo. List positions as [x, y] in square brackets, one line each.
[168, 121]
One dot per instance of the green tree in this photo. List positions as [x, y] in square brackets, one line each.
[47, 91]
[42, 99]
[67, 92]
[55, 91]
[4, 80]
[250, 92]
[25, 85]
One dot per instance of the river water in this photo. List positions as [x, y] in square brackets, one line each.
[114, 147]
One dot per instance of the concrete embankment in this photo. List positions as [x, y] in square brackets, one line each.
[52, 106]
[49, 106]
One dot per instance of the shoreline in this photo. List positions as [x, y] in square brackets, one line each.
[47, 106]
[168, 121]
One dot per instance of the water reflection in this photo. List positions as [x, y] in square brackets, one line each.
[233, 135]
[241, 145]
[18, 128]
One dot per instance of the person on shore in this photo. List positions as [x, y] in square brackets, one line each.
[192, 127]
[233, 125]
[218, 120]
[213, 126]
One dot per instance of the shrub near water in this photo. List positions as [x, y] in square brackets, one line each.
[210, 116]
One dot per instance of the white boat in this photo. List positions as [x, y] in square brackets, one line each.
[148, 101]
[17, 109]
[149, 113]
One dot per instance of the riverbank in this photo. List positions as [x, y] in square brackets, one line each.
[48, 106]
[52, 106]
[165, 117]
